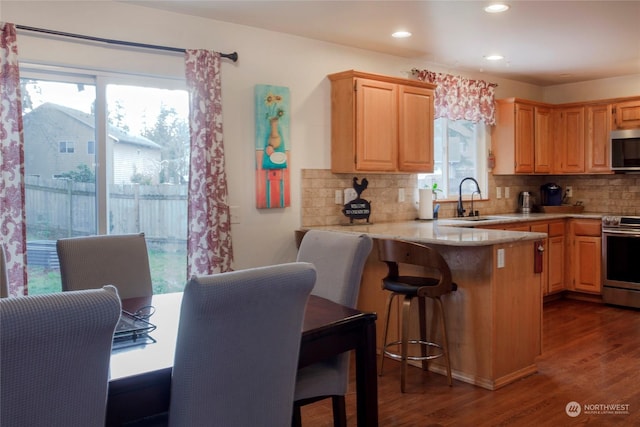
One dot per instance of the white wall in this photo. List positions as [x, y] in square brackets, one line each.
[615, 87]
[264, 236]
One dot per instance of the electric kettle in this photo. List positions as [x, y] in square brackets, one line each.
[524, 202]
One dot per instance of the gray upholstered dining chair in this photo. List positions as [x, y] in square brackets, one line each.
[91, 262]
[238, 346]
[339, 259]
[54, 357]
[4, 278]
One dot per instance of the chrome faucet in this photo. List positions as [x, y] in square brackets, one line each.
[461, 209]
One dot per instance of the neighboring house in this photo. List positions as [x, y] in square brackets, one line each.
[66, 139]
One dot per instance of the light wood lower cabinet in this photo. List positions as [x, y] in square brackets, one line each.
[553, 259]
[585, 255]
[555, 252]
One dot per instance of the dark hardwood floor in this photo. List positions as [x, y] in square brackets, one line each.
[591, 355]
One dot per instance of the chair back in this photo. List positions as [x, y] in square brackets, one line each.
[54, 357]
[339, 259]
[91, 262]
[238, 346]
[397, 252]
[4, 277]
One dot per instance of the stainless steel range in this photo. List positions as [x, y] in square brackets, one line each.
[621, 260]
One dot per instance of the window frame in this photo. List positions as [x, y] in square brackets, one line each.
[100, 79]
[482, 137]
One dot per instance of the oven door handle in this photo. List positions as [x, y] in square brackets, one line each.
[630, 233]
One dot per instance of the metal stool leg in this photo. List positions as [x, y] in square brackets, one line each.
[422, 318]
[445, 344]
[386, 330]
[406, 306]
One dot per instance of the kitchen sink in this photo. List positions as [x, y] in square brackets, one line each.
[477, 218]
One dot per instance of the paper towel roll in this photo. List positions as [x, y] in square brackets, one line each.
[425, 203]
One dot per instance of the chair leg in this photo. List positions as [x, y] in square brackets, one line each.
[296, 418]
[339, 411]
[445, 340]
[406, 305]
[422, 319]
[386, 330]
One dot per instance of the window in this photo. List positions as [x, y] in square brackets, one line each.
[66, 147]
[460, 149]
[131, 178]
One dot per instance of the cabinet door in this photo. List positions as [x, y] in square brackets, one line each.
[627, 115]
[524, 135]
[376, 125]
[556, 264]
[587, 260]
[415, 147]
[543, 228]
[597, 138]
[543, 139]
[570, 127]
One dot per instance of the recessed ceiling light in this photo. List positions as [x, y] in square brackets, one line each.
[493, 57]
[496, 8]
[401, 34]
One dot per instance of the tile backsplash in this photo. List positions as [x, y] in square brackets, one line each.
[614, 194]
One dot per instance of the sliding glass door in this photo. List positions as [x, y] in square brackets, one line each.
[105, 157]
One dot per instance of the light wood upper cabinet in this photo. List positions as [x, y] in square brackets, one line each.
[570, 139]
[376, 125]
[513, 137]
[415, 133]
[523, 137]
[380, 124]
[597, 147]
[626, 115]
[543, 140]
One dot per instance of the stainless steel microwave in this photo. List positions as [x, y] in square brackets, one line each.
[625, 150]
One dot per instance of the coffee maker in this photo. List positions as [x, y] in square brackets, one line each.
[551, 194]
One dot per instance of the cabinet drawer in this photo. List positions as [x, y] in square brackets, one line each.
[586, 228]
[540, 228]
[556, 229]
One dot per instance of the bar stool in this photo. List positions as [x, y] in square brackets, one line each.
[435, 283]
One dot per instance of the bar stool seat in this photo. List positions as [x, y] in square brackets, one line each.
[435, 282]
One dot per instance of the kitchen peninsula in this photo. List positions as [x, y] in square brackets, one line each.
[494, 319]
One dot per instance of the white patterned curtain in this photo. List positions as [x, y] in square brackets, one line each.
[209, 247]
[13, 230]
[459, 98]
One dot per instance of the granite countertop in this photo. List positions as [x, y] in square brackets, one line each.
[512, 218]
[454, 232]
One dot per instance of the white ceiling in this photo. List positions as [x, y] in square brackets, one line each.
[543, 42]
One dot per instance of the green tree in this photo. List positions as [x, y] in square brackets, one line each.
[83, 174]
[26, 87]
[116, 117]
[171, 131]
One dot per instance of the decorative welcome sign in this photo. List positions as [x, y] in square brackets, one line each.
[358, 208]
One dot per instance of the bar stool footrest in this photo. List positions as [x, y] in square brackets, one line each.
[398, 356]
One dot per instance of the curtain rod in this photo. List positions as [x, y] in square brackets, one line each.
[232, 56]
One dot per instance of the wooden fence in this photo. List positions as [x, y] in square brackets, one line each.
[59, 208]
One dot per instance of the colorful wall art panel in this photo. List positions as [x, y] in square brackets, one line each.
[273, 146]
